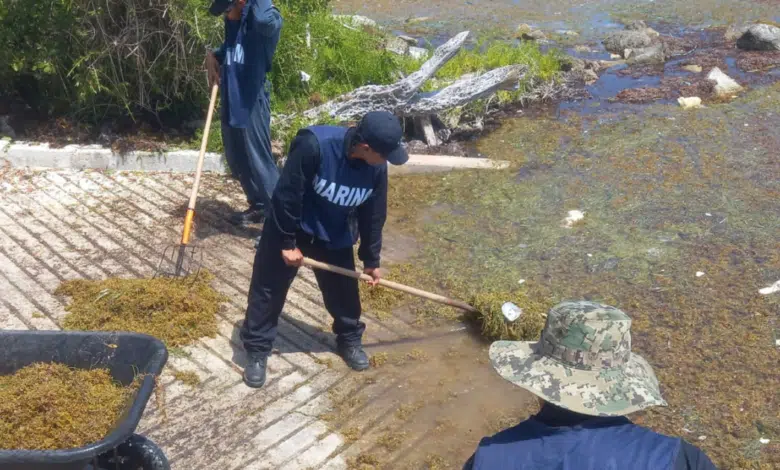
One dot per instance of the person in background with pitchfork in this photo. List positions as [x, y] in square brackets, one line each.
[332, 191]
[239, 66]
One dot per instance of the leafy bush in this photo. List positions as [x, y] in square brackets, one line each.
[107, 59]
[141, 61]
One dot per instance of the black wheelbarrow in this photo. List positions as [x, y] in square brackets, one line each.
[125, 355]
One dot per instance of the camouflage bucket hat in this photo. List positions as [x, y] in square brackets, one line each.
[582, 362]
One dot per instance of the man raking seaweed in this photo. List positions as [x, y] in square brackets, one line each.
[332, 192]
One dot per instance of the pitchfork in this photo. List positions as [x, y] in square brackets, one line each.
[183, 259]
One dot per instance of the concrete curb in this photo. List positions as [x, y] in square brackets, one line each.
[27, 155]
[436, 163]
[41, 156]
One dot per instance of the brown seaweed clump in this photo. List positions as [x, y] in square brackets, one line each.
[495, 327]
[188, 378]
[52, 406]
[177, 311]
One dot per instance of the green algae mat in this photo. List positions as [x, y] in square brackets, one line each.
[177, 311]
[489, 318]
[52, 406]
[679, 230]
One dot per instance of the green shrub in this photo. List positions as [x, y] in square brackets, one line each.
[339, 60]
[104, 60]
[131, 61]
[487, 56]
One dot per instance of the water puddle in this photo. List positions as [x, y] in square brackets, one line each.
[439, 395]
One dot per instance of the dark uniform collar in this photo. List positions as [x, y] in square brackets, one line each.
[349, 137]
[555, 416]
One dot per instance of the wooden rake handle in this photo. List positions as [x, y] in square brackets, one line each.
[185, 235]
[389, 284]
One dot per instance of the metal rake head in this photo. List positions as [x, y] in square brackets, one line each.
[180, 261]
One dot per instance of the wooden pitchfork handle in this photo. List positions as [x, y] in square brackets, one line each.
[389, 284]
[185, 235]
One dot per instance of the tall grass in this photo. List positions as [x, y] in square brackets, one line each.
[486, 56]
[338, 59]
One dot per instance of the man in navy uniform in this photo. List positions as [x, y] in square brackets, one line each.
[332, 191]
[587, 379]
[239, 66]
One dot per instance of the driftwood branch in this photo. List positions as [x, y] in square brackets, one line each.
[464, 91]
[405, 99]
[388, 97]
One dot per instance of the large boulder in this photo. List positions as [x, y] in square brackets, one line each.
[528, 33]
[397, 45]
[581, 70]
[655, 54]
[760, 37]
[618, 41]
[724, 85]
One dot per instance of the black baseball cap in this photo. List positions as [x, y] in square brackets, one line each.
[219, 7]
[382, 132]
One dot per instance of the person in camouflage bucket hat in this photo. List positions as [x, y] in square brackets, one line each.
[582, 362]
[586, 377]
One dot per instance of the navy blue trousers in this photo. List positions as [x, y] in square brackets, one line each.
[271, 280]
[248, 153]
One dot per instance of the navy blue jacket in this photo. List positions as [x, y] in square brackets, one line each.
[557, 439]
[329, 196]
[246, 57]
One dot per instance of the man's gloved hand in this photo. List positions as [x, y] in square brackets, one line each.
[375, 273]
[212, 69]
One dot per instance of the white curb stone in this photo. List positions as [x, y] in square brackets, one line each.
[432, 163]
[42, 156]
[37, 156]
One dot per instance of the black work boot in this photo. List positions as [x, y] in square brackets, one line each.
[254, 372]
[354, 356]
[253, 215]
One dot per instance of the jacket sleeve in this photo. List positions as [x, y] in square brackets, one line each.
[371, 220]
[267, 20]
[469, 465]
[301, 166]
[690, 457]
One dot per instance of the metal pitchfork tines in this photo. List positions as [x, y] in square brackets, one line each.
[185, 259]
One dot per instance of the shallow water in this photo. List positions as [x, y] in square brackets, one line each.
[666, 193]
[588, 17]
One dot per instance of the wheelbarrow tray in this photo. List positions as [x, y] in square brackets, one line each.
[125, 355]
